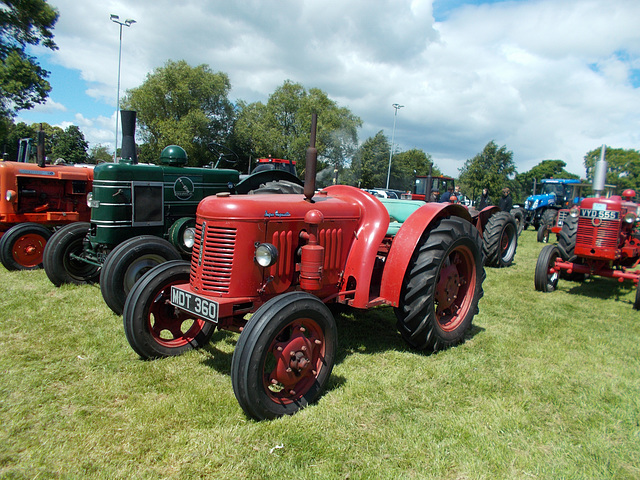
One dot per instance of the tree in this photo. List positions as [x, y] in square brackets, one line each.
[623, 167]
[69, 145]
[22, 24]
[99, 154]
[545, 169]
[370, 163]
[182, 105]
[406, 165]
[281, 127]
[492, 168]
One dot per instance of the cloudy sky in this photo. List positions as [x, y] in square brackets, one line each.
[550, 79]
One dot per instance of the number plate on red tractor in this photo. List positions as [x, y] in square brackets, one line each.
[201, 307]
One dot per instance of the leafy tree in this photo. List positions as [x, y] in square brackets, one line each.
[69, 145]
[623, 167]
[182, 105]
[406, 165]
[24, 23]
[99, 154]
[545, 169]
[492, 168]
[14, 134]
[281, 127]
[370, 164]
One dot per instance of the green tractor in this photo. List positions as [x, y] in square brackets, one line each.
[143, 215]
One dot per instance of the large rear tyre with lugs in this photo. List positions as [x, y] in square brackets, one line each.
[62, 256]
[127, 263]
[284, 356]
[546, 277]
[567, 245]
[500, 240]
[442, 286]
[153, 327]
[22, 246]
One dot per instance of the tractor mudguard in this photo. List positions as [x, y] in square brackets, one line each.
[482, 217]
[405, 243]
[255, 180]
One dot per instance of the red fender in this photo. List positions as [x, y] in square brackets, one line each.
[405, 242]
[373, 227]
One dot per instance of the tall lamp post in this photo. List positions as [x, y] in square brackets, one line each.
[126, 23]
[393, 135]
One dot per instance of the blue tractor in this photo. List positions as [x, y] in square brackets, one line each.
[541, 209]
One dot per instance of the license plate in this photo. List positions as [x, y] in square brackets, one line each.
[601, 214]
[201, 307]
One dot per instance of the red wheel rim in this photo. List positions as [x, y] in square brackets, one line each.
[27, 250]
[169, 326]
[455, 288]
[293, 361]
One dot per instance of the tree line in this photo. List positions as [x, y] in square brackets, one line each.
[189, 106]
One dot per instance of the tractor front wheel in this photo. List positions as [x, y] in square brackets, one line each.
[22, 246]
[442, 286]
[543, 233]
[154, 328]
[546, 277]
[500, 240]
[59, 263]
[126, 263]
[284, 356]
[636, 304]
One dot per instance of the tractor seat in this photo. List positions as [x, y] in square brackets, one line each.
[399, 211]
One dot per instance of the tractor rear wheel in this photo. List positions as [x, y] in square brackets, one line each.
[518, 216]
[22, 246]
[153, 327]
[279, 186]
[284, 356]
[442, 286]
[567, 245]
[636, 304]
[59, 264]
[126, 263]
[545, 277]
[543, 233]
[500, 240]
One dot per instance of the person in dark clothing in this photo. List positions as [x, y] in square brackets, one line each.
[505, 203]
[446, 196]
[485, 199]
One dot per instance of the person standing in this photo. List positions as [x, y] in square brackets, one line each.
[485, 199]
[506, 203]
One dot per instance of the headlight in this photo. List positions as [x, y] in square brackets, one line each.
[266, 254]
[630, 217]
[10, 195]
[91, 202]
[535, 205]
[574, 212]
[188, 237]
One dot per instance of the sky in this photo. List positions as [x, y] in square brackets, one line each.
[548, 79]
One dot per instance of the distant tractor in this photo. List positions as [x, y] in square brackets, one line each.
[541, 209]
[284, 259]
[142, 215]
[499, 230]
[35, 199]
[600, 237]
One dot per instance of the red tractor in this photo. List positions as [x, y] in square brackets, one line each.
[284, 259]
[35, 199]
[600, 237]
[499, 230]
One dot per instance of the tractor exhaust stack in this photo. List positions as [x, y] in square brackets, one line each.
[600, 174]
[128, 152]
[311, 162]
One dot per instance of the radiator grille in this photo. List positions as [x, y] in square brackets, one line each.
[215, 247]
[604, 235]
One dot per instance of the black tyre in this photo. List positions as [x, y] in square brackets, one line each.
[442, 286]
[567, 245]
[280, 186]
[126, 263]
[59, 264]
[22, 246]
[284, 356]
[153, 327]
[543, 233]
[545, 277]
[500, 240]
[518, 216]
[636, 304]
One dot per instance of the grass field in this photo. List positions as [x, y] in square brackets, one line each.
[545, 386]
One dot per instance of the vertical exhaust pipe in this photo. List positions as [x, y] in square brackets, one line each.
[311, 162]
[40, 148]
[600, 175]
[128, 151]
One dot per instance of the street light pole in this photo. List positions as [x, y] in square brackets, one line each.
[126, 23]
[397, 107]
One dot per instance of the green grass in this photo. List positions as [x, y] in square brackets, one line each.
[545, 386]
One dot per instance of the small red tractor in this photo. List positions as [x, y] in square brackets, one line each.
[35, 199]
[284, 259]
[598, 237]
[498, 230]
